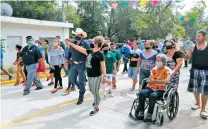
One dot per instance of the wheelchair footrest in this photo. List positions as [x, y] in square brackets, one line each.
[132, 117]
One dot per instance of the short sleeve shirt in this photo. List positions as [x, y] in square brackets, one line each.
[78, 56]
[30, 55]
[93, 63]
[148, 60]
[117, 55]
[172, 62]
[134, 54]
[110, 59]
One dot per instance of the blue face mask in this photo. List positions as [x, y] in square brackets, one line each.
[30, 43]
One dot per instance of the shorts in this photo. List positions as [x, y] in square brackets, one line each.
[198, 82]
[132, 72]
[143, 74]
[109, 77]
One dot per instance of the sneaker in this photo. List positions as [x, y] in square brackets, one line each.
[148, 118]
[66, 92]
[51, 83]
[54, 90]
[112, 92]
[24, 84]
[38, 88]
[11, 77]
[79, 101]
[204, 115]
[132, 88]
[60, 87]
[73, 88]
[33, 84]
[140, 116]
[195, 107]
[26, 92]
[47, 79]
[94, 111]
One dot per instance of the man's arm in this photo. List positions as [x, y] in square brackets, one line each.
[189, 54]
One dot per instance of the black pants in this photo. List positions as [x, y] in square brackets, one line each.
[57, 75]
[125, 60]
[153, 96]
[25, 71]
[186, 63]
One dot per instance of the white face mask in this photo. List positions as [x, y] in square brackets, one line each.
[159, 64]
[55, 44]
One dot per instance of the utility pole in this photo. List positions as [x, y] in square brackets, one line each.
[63, 11]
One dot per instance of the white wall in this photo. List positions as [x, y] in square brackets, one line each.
[23, 30]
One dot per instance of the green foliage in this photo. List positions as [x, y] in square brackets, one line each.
[197, 13]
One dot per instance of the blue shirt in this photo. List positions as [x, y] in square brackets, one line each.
[187, 46]
[56, 57]
[78, 56]
[125, 50]
[140, 45]
[2, 54]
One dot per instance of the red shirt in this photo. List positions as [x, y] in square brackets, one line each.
[130, 44]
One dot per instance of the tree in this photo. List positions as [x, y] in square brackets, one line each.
[196, 21]
[93, 19]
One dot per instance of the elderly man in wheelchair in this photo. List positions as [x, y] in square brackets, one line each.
[159, 91]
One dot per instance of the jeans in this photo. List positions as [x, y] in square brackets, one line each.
[125, 60]
[78, 70]
[143, 74]
[70, 84]
[32, 77]
[153, 96]
[65, 70]
[57, 75]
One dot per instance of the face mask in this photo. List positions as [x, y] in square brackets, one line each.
[30, 43]
[77, 38]
[159, 64]
[147, 48]
[169, 47]
[92, 45]
[105, 51]
[55, 44]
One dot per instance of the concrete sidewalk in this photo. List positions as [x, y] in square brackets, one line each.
[43, 110]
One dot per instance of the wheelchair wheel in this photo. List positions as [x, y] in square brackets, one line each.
[172, 109]
[134, 110]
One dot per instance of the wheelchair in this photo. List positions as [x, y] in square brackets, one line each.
[169, 102]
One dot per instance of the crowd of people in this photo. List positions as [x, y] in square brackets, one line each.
[100, 61]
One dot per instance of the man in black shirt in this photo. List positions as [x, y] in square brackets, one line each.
[30, 56]
[198, 82]
[78, 68]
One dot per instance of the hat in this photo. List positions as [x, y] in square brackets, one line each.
[80, 31]
[84, 35]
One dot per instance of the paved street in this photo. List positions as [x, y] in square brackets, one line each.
[43, 110]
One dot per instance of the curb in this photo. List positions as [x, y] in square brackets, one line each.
[4, 83]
